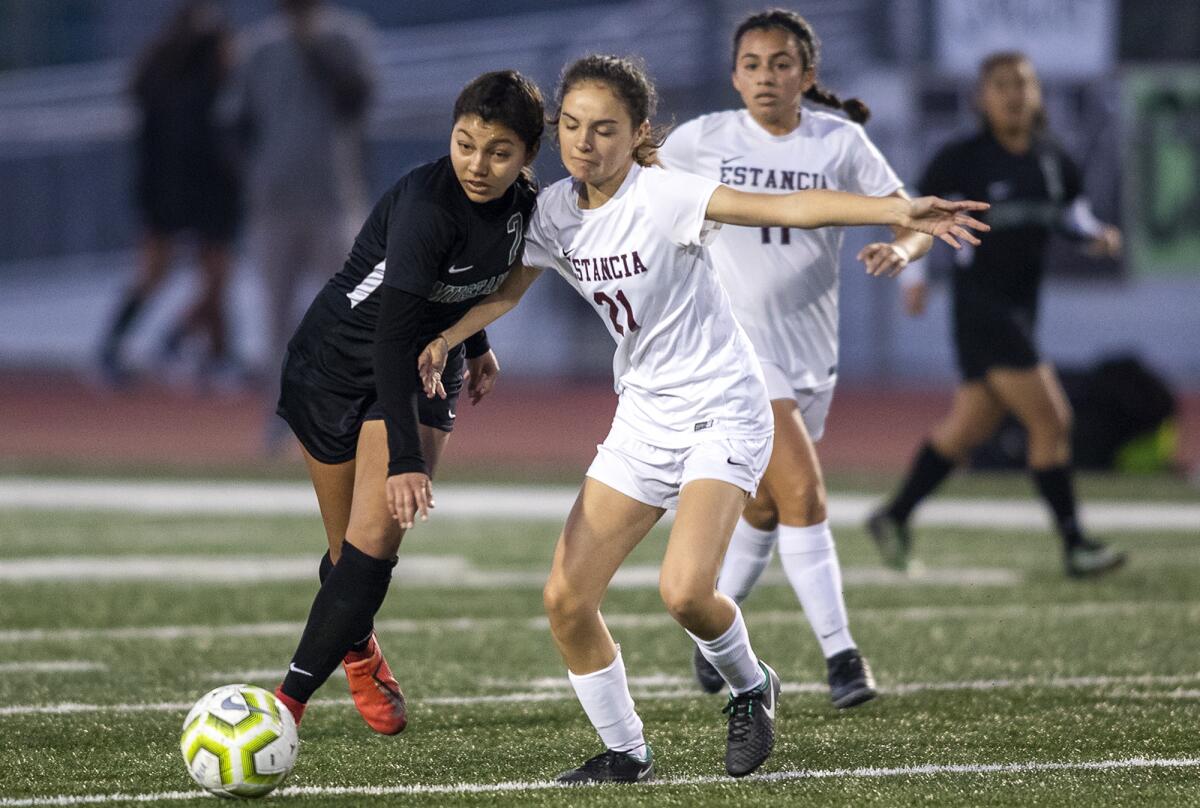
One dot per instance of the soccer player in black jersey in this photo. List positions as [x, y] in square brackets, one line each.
[1034, 188]
[442, 238]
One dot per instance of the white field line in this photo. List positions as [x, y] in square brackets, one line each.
[916, 770]
[419, 571]
[551, 690]
[52, 666]
[538, 502]
[915, 614]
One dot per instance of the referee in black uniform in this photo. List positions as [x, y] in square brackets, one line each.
[1034, 188]
[444, 237]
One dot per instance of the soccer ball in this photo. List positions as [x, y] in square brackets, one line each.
[239, 741]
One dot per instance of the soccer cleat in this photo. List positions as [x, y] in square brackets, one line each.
[751, 734]
[892, 538]
[709, 678]
[611, 766]
[1090, 558]
[850, 679]
[377, 694]
[296, 708]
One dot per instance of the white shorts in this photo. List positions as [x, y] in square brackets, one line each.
[813, 404]
[655, 475]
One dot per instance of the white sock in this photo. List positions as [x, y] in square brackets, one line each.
[733, 657]
[605, 697]
[748, 555]
[811, 563]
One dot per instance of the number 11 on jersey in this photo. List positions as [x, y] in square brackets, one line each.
[785, 235]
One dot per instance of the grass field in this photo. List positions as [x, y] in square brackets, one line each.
[1002, 682]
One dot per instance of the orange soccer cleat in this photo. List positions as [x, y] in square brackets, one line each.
[376, 692]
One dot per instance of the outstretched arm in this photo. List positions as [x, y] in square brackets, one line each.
[432, 360]
[941, 218]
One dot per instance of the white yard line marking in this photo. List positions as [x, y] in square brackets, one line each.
[52, 666]
[549, 689]
[538, 502]
[917, 614]
[921, 769]
[418, 571]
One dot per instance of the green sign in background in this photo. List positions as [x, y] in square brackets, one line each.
[1161, 199]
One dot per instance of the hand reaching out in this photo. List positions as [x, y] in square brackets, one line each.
[481, 375]
[946, 220]
[430, 365]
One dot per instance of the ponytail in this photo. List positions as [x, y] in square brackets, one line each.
[854, 108]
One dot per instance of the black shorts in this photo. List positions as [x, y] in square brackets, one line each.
[991, 331]
[326, 417]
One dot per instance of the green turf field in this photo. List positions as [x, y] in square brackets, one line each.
[1002, 682]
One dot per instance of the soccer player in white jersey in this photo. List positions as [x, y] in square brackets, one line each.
[783, 285]
[693, 424]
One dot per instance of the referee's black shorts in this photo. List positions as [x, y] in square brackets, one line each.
[992, 331]
[326, 417]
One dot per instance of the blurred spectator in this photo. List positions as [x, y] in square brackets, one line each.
[185, 182]
[299, 104]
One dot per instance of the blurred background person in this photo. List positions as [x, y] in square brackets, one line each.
[186, 182]
[298, 106]
[1035, 188]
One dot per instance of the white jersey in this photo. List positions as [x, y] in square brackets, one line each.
[783, 281]
[684, 369]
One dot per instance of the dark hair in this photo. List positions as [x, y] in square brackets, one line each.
[627, 78]
[1007, 58]
[810, 53]
[190, 43]
[506, 97]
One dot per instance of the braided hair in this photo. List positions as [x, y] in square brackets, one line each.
[810, 52]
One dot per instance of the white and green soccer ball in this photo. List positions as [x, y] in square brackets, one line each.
[239, 741]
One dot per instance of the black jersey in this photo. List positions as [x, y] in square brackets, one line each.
[1028, 194]
[424, 237]
[437, 253]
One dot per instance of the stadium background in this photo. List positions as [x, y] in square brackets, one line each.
[151, 548]
[1122, 88]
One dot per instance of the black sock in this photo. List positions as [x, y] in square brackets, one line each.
[1057, 489]
[323, 572]
[341, 614]
[131, 307]
[929, 468]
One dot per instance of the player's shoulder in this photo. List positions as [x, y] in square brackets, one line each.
[961, 146]
[709, 124]
[825, 124]
[555, 204]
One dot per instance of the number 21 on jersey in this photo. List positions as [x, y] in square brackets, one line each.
[614, 314]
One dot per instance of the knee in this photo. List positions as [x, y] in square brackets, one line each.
[686, 598]
[761, 512]
[564, 607]
[804, 505]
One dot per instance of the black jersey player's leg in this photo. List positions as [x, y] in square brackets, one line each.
[974, 416]
[155, 261]
[1035, 396]
[344, 609]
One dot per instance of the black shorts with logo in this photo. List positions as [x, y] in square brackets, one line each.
[326, 416]
[992, 331]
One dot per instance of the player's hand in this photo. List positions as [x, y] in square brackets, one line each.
[946, 220]
[409, 494]
[1107, 244]
[915, 296]
[884, 258]
[481, 374]
[430, 365]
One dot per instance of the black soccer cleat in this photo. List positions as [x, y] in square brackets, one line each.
[709, 677]
[1090, 558]
[611, 766]
[850, 679]
[751, 734]
[892, 538]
